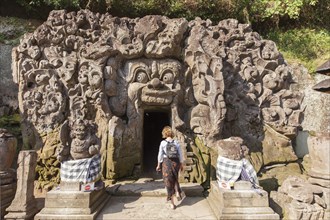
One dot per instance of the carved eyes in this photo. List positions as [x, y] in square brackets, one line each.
[144, 72]
[168, 78]
[141, 77]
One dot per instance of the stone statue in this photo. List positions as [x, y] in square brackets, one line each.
[84, 142]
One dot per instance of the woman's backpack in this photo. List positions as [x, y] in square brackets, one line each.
[171, 150]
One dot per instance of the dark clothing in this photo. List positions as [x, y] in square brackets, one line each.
[170, 170]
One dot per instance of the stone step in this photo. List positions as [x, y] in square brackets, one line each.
[152, 189]
[247, 210]
[250, 216]
[245, 198]
[239, 198]
[72, 199]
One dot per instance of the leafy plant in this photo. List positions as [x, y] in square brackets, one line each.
[275, 9]
[311, 47]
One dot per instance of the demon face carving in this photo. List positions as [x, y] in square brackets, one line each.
[156, 82]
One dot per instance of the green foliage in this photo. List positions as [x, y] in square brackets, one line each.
[255, 12]
[311, 47]
[279, 8]
[11, 123]
[31, 5]
[308, 45]
[15, 28]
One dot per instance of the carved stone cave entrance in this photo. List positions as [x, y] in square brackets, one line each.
[153, 123]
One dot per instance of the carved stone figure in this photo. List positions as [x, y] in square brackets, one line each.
[84, 142]
[213, 81]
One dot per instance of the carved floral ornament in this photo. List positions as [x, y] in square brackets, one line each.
[217, 80]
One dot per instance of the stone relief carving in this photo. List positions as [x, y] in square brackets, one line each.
[215, 81]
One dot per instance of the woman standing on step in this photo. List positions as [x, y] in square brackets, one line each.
[171, 158]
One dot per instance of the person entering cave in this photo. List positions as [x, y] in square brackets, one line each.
[170, 162]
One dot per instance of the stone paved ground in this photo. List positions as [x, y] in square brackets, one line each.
[147, 207]
[147, 200]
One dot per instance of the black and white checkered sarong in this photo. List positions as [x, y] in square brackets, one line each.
[228, 171]
[83, 170]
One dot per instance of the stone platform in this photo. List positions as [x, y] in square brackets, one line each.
[80, 205]
[239, 203]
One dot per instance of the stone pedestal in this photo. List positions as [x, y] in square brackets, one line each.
[239, 203]
[64, 204]
[319, 151]
[8, 145]
[7, 190]
[24, 203]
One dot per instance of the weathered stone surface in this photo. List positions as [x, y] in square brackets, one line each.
[321, 182]
[276, 147]
[8, 144]
[314, 102]
[214, 82]
[72, 204]
[8, 89]
[272, 177]
[298, 199]
[239, 204]
[319, 151]
[7, 190]
[299, 210]
[242, 185]
[24, 204]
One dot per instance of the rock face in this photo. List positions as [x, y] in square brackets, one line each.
[299, 199]
[8, 89]
[211, 81]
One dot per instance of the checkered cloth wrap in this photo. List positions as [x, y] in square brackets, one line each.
[229, 170]
[83, 170]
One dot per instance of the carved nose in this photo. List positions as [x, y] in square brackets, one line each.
[156, 83]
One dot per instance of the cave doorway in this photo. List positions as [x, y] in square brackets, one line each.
[153, 124]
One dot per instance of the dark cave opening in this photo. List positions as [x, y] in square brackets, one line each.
[153, 124]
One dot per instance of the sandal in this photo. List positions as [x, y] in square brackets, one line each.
[183, 195]
[178, 196]
[173, 206]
